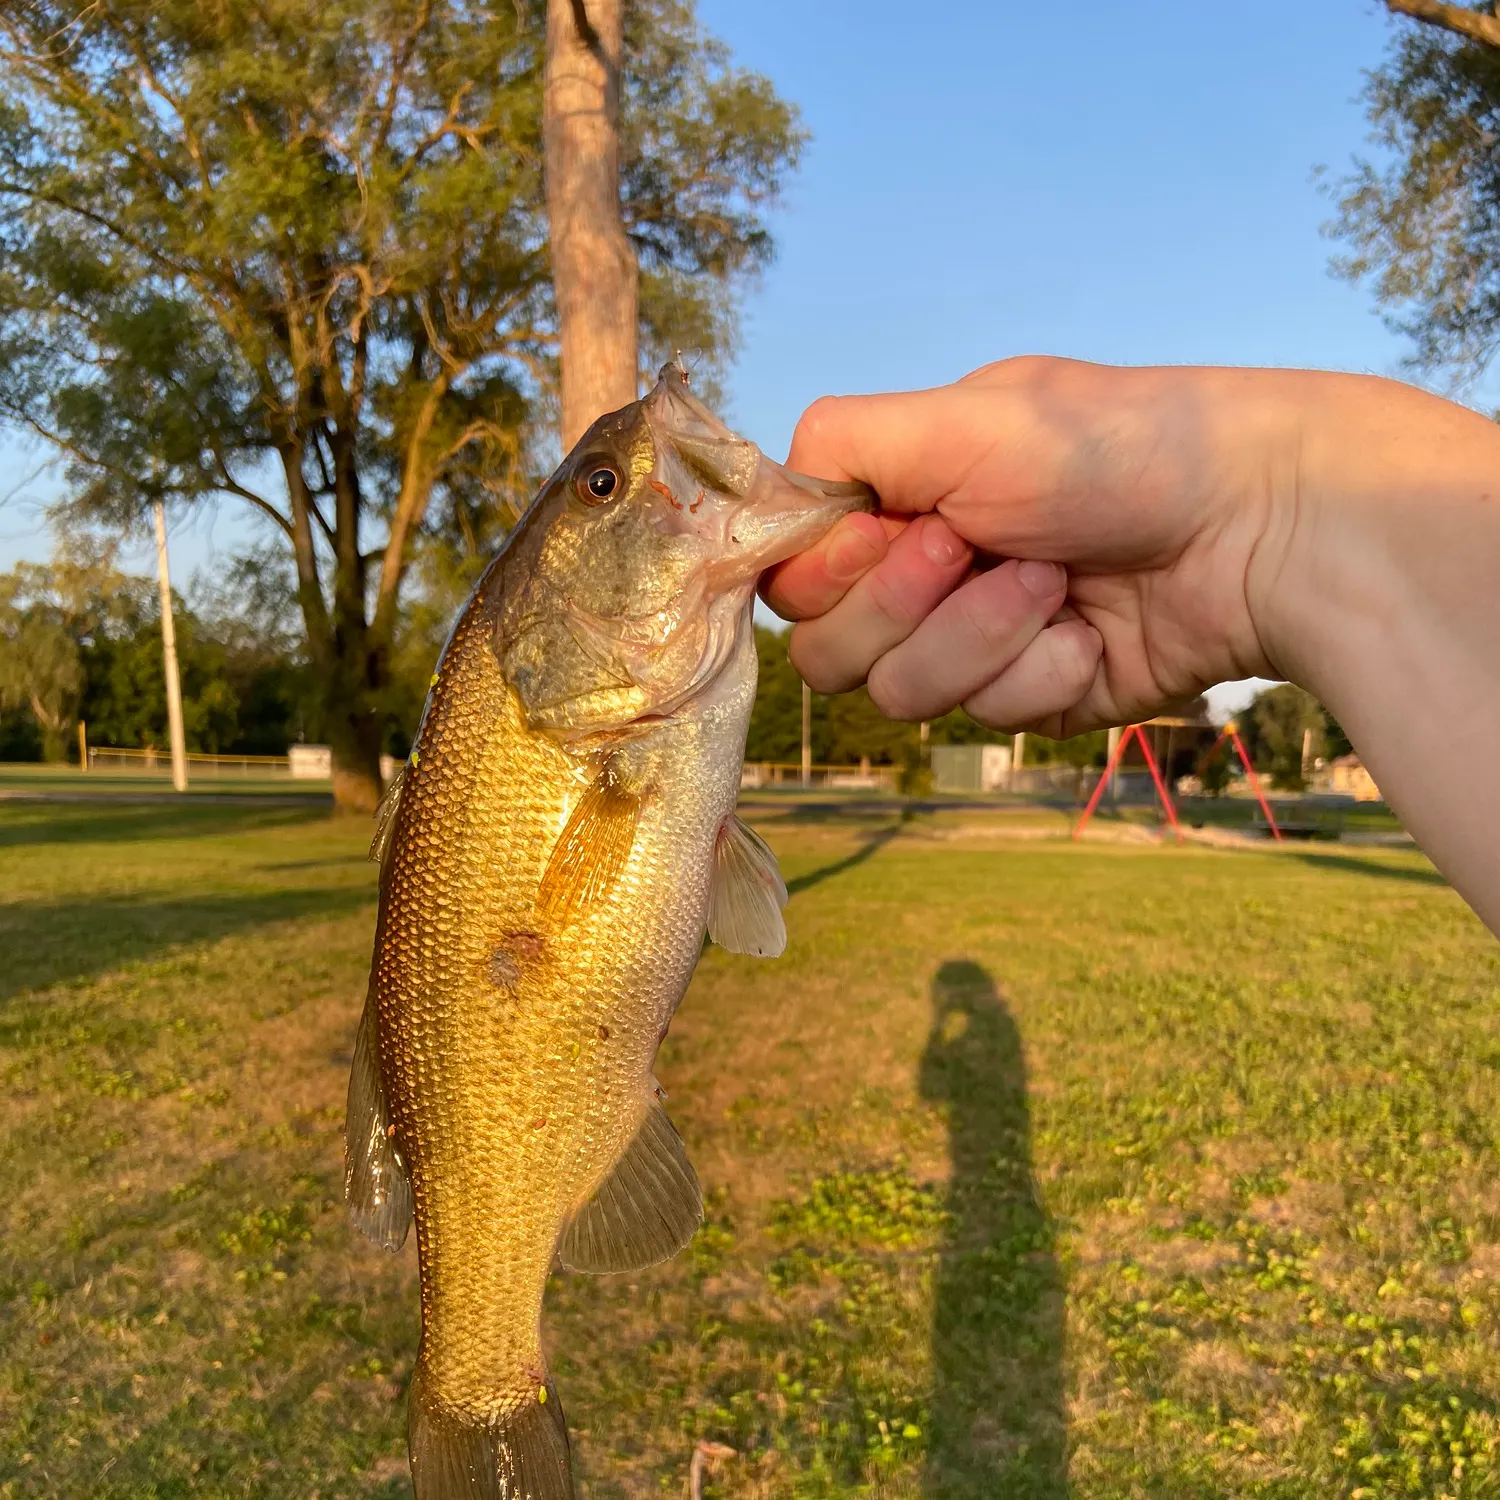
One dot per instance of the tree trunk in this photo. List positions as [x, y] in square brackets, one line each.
[348, 658]
[593, 264]
[354, 736]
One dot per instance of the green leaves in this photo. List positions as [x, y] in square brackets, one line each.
[297, 255]
[1424, 227]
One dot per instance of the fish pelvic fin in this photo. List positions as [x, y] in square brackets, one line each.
[747, 894]
[385, 814]
[377, 1187]
[591, 853]
[644, 1212]
[520, 1455]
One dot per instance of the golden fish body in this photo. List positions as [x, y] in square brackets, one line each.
[562, 838]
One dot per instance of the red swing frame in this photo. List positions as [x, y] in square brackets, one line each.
[1229, 733]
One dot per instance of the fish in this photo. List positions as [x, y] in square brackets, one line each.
[552, 854]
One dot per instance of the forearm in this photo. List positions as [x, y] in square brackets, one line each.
[1380, 593]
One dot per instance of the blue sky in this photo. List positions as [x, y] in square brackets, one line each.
[1126, 182]
[1114, 181]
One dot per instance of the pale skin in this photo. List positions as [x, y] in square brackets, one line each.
[1064, 546]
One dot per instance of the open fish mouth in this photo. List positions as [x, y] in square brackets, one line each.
[780, 512]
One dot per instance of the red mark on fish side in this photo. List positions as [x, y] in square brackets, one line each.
[661, 489]
[693, 508]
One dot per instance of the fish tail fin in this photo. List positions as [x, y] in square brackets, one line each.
[455, 1455]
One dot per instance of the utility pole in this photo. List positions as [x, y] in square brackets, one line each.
[806, 735]
[1109, 760]
[83, 746]
[1017, 758]
[169, 654]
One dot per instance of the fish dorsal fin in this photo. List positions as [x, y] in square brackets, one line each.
[385, 814]
[644, 1212]
[588, 858]
[377, 1188]
[748, 894]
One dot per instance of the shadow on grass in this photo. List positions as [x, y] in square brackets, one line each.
[867, 850]
[1378, 869]
[54, 942]
[29, 823]
[997, 1402]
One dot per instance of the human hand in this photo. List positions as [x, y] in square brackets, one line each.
[1337, 530]
[1162, 492]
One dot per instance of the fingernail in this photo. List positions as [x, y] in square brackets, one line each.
[940, 544]
[1041, 578]
[850, 553]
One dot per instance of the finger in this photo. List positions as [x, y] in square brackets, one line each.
[968, 640]
[897, 437]
[835, 651]
[1047, 679]
[1000, 436]
[814, 581]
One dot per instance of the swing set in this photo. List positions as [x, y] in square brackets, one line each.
[1229, 733]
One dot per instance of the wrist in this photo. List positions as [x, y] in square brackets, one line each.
[1379, 535]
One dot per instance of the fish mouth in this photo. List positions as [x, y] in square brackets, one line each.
[781, 512]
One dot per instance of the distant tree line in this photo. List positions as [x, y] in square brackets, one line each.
[80, 638]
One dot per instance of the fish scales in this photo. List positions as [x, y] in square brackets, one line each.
[560, 841]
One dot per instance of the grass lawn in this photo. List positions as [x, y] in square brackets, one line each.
[1035, 1170]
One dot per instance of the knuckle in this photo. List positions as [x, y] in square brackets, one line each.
[985, 613]
[1076, 654]
[813, 667]
[817, 424]
[890, 694]
[1023, 369]
[890, 602]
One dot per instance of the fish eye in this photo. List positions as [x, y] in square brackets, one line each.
[597, 482]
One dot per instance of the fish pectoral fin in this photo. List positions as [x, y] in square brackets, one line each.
[377, 1187]
[589, 856]
[644, 1212]
[385, 814]
[748, 894]
[522, 1454]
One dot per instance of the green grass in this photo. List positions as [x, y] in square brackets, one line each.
[1034, 1170]
[54, 780]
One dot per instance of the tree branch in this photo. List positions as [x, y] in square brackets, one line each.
[1455, 18]
[416, 488]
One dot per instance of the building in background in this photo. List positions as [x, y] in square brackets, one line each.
[970, 768]
[1347, 775]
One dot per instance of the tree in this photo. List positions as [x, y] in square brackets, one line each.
[1425, 229]
[296, 256]
[40, 670]
[81, 639]
[1273, 728]
[593, 263]
[125, 693]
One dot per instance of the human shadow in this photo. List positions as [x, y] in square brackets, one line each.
[43, 943]
[1374, 868]
[870, 847]
[996, 1423]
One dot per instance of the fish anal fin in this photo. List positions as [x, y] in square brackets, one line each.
[747, 895]
[521, 1454]
[644, 1212]
[587, 859]
[377, 1187]
[385, 814]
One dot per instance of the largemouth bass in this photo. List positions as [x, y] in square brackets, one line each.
[558, 843]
